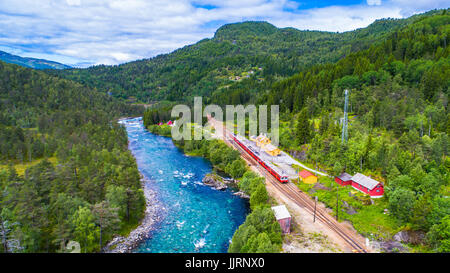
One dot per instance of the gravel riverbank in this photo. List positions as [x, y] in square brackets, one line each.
[152, 216]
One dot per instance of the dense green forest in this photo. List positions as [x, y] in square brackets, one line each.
[82, 183]
[397, 72]
[398, 120]
[220, 66]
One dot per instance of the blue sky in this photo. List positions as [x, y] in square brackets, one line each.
[87, 32]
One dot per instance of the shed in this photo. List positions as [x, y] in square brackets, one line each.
[283, 217]
[344, 179]
[367, 185]
[307, 177]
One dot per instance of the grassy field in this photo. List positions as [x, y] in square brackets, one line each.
[21, 167]
[370, 219]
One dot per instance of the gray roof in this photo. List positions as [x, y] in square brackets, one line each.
[345, 177]
[281, 212]
[365, 181]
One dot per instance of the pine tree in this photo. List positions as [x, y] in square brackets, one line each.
[303, 127]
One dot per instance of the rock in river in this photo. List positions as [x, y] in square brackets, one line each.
[214, 181]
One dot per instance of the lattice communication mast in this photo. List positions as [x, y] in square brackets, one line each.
[345, 121]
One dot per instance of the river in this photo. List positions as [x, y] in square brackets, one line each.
[196, 217]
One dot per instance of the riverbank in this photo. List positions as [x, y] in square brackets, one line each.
[193, 217]
[260, 233]
[152, 216]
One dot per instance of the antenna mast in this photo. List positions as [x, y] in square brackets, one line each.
[345, 121]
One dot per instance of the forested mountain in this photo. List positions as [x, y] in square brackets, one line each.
[399, 123]
[84, 179]
[82, 182]
[31, 62]
[254, 50]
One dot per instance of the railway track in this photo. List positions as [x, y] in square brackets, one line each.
[300, 198]
[303, 200]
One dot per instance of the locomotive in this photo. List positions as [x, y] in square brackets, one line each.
[273, 170]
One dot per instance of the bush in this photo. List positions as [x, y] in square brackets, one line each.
[260, 233]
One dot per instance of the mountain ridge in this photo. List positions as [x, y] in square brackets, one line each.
[31, 62]
[235, 52]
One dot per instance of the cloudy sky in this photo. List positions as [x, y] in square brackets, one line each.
[86, 32]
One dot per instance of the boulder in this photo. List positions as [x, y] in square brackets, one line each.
[401, 236]
[215, 181]
[409, 236]
[345, 204]
[242, 194]
[392, 247]
[351, 211]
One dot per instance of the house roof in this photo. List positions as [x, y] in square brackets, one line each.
[365, 181]
[345, 177]
[305, 174]
[281, 212]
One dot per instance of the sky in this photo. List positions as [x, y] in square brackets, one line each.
[89, 32]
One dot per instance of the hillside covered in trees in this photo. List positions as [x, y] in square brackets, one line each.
[397, 72]
[239, 59]
[82, 182]
[399, 121]
[398, 127]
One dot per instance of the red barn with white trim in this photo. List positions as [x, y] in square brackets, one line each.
[367, 185]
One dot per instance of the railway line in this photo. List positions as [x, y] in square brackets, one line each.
[301, 199]
[295, 194]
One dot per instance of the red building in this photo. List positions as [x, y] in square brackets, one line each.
[344, 179]
[367, 185]
[283, 217]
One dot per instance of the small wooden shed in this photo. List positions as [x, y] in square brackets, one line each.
[307, 177]
[283, 217]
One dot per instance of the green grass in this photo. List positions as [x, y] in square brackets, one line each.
[21, 167]
[369, 220]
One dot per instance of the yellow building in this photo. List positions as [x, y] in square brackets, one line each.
[272, 150]
[307, 177]
[262, 140]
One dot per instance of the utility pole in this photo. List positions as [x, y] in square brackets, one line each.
[337, 204]
[315, 206]
[345, 121]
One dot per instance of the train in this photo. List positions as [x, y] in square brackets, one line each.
[274, 171]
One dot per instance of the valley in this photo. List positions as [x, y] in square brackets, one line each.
[71, 165]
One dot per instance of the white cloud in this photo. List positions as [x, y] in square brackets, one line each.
[410, 7]
[373, 2]
[116, 31]
[73, 2]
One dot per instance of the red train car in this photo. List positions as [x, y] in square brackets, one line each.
[266, 165]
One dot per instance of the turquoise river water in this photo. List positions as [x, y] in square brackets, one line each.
[196, 218]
